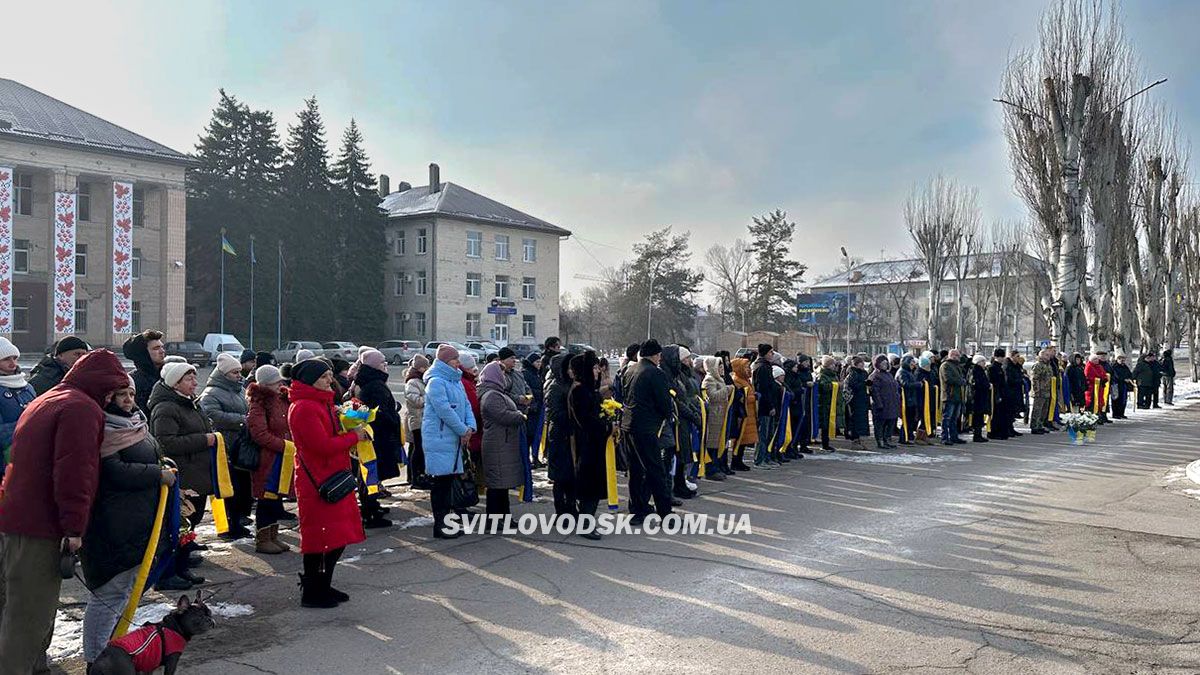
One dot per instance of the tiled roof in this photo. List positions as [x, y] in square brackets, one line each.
[457, 201]
[31, 114]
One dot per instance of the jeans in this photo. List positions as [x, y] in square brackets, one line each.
[765, 433]
[1168, 393]
[104, 607]
[951, 413]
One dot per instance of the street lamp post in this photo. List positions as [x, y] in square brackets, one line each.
[846, 256]
[650, 297]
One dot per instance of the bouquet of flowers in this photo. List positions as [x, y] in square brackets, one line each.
[354, 414]
[1080, 421]
[610, 410]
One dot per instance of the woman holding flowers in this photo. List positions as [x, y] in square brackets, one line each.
[589, 434]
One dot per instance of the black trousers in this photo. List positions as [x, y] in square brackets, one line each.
[977, 426]
[439, 500]
[241, 504]
[1145, 396]
[267, 512]
[647, 475]
[1118, 405]
[497, 501]
[321, 564]
[416, 457]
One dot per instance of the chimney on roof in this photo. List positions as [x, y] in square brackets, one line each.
[385, 185]
[435, 179]
[403, 186]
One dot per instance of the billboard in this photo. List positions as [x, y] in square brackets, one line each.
[826, 307]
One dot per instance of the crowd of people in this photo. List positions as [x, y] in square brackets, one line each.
[91, 449]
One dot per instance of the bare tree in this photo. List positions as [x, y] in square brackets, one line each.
[935, 215]
[728, 270]
[966, 245]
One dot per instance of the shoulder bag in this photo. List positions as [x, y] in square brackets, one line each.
[463, 493]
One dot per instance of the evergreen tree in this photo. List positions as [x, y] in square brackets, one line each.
[360, 255]
[309, 283]
[659, 275]
[776, 277]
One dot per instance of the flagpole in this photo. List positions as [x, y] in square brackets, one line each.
[279, 302]
[251, 291]
[222, 280]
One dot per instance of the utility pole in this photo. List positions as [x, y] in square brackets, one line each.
[846, 256]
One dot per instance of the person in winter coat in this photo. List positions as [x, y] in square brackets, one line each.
[1014, 392]
[131, 472]
[885, 401]
[413, 412]
[185, 436]
[913, 398]
[1040, 393]
[999, 403]
[503, 423]
[857, 401]
[223, 401]
[558, 435]
[370, 387]
[931, 382]
[1168, 377]
[148, 353]
[805, 380]
[15, 395]
[769, 397]
[718, 395]
[54, 366]
[470, 382]
[605, 384]
[531, 370]
[589, 435]
[1095, 380]
[648, 408]
[952, 385]
[446, 430]
[982, 402]
[1122, 380]
[745, 415]
[267, 421]
[46, 501]
[322, 450]
[1146, 376]
[677, 437]
[1077, 382]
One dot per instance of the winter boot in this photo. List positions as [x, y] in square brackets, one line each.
[264, 541]
[275, 538]
[739, 463]
[333, 593]
[313, 592]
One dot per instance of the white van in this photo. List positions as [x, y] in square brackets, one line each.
[215, 343]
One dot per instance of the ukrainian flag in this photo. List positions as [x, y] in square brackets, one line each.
[227, 247]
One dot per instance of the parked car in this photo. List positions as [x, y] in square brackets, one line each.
[432, 347]
[579, 348]
[288, 353]
[482, 349]
[340, 350]
[194, 352]
[215, 343]
[399, 352]
[746, 353]
[523, 349]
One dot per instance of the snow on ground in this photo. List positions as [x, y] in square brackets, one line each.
[882, 458]
[418, 521]
[68, 624]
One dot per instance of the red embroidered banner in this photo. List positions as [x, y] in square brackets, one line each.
[6, 248]
[122, 263]
[64, 263]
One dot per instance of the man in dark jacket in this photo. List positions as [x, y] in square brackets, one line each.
[998, 429]
[46, 499]
[686, 400]
[1146, 374]
[647, 410]
[1122, 379]
[558, 433]
[1014, 392]
[1077, 382]
[952, 384]
[147, 352]
[531, 372]
[1168, 377]
[769, 397]
[54, 366]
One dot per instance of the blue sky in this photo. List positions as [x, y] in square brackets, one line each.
[608, 118]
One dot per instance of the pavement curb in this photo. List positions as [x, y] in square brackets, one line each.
[1193, 472]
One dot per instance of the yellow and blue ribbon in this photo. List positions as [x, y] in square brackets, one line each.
[526, 489]
[610, 470]
[279, 476]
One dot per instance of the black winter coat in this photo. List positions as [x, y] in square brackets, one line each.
[1077, 383]
[370, 387]
[981, 391]
[180, 428]
[123, 513]
[769, 393]
[589, 437]
[996, 376]
[647, 398]
[856, 393]
[47, 373]
[1014, 385]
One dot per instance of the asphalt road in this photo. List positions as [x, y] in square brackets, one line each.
[1025, 556]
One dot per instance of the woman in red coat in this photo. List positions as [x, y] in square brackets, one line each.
[268, 424]
[321, 451]
[470, 371]
[1096, 377]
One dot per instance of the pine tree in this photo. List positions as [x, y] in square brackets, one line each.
[360, 256]
[309, 283]
[660, 274]
[776, 276]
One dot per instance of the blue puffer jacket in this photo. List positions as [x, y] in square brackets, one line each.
[12, 403]
[447, 417]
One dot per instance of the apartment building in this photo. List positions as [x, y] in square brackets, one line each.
[465, 267]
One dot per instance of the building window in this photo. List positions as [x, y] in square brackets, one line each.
[473, 324]
[501, 329]
[20, 312]
[398, 289]
[137, 317]
[401, 242]
[420, 324]
[81, 316]
[947, 293]
[422, 241]
[502, 247]
[529, 246]
[501, 286]
[189, 320]
[474, 284]
[135, 264]
[528, 288]
[398, 323]
[474, 244]
[23, 187]
[20, 255]
[81, 260]
[528, 326]
[422, 283]
[139, 207]
[83, 202]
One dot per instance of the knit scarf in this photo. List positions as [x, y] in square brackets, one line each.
[121, 432]
[15, 381]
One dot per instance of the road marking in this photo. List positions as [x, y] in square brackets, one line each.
[392, 670]
[375, 634]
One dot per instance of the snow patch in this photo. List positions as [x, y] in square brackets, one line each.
[67, 641]
[1193, 472]
[418, 521]
[881, 458]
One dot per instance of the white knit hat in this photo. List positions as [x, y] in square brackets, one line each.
[173, 372]
[303, 355]
[684, 353]
[7, 348]
[174, 359]
[227, 363]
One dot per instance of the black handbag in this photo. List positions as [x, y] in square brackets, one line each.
[245, 453]
[335, 488]
[463, 493]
